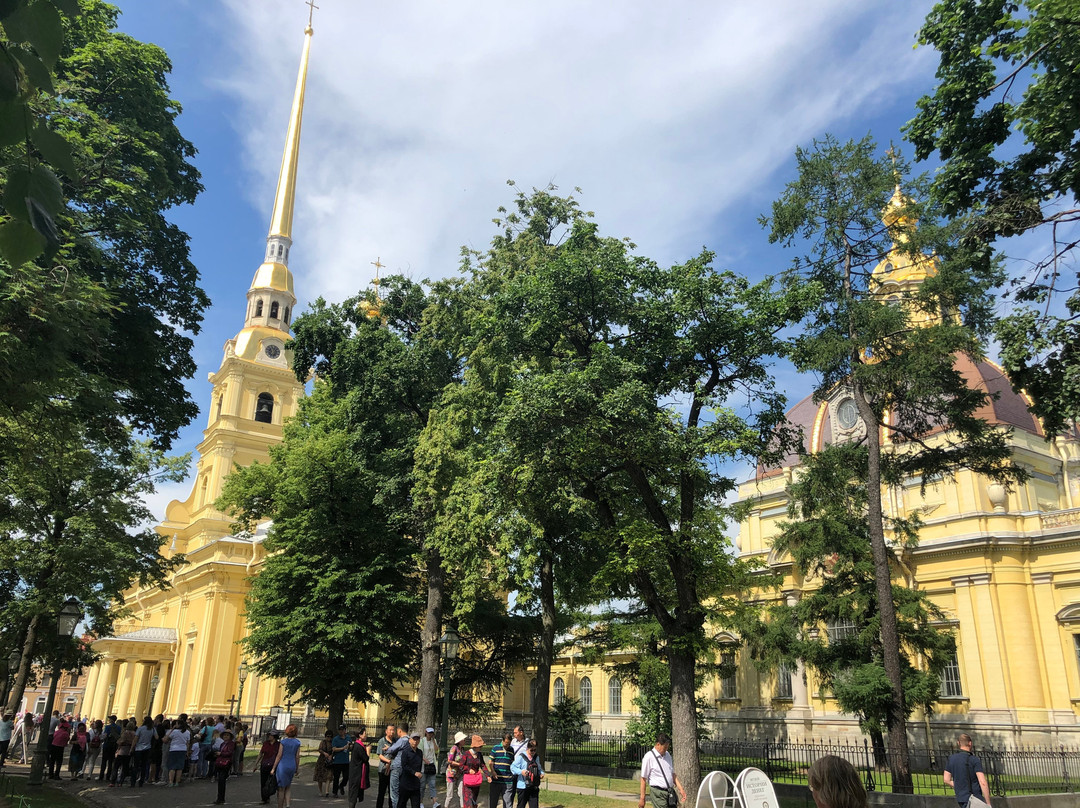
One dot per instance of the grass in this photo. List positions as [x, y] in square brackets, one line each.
[16, 792]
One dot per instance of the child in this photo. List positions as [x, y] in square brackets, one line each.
[194, 759]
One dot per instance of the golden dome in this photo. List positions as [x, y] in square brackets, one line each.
[272, 275]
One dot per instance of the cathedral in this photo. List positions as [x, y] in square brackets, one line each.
[1004, 565]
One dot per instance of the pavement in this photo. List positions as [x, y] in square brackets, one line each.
[244, 791]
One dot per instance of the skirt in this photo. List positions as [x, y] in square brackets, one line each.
[176, 760]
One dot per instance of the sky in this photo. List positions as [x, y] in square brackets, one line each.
[678, 122]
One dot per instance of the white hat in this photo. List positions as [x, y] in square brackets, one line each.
[459, 737]
[430, 729]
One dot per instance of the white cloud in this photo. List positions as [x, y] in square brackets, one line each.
[665, 114]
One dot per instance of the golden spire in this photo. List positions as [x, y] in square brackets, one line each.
[373, 310]
[281, 220]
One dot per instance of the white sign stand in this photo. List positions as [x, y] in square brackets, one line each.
[755, 789]
[719, 791]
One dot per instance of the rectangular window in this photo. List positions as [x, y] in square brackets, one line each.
[950, 680]
[842, 629]
[39, 705]
[46, 680]
[73, 680]
[1076, 648]
[783, 682]
[728, 689]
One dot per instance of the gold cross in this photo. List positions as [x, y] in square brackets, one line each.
[311, 10]
[377, 263]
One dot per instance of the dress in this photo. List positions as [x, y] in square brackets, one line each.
[322, 763]
[358, 773]
[286, 769]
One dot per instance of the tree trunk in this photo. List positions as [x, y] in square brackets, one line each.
[877, 743]
[336, 712]
[29, 646]
[547, 653]
[684, 746]
[429, 641]
[899, 763]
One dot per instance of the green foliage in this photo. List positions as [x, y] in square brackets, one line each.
[568, 724]
[1004, 121]
[337, 585]
[835, 628]
[652, 680]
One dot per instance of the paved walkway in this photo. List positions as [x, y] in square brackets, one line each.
[244, 791]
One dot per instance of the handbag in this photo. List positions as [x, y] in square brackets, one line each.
[269, 788]
[672, 797]
[473, 778]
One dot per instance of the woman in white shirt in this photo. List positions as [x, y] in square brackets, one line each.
[179, 740]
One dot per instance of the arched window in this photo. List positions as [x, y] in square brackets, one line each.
[264, 408]
[258, 308]
[273, 310]
[287, 313]
[560, 690]
[280, 250]
[585, 690]
[614, 698]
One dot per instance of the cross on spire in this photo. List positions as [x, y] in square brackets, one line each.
[311, 10]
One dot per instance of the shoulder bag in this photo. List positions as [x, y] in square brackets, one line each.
[672, 797]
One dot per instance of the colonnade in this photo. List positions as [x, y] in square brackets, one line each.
[125, 686]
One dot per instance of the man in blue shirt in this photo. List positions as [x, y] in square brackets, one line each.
[340, 762]
[964, 772]
[394, 753]
[502, 780]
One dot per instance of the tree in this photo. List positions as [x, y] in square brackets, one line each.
[835, 628]
[568, 723]
[329, 610]
[1004, 122]
[891, 344]
[73, 523]
[585, 347]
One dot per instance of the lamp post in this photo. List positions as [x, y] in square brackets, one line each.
[66, 622]
[243, 674]
[155, 680]
[450, 642]
[112, 692]
[13, 660]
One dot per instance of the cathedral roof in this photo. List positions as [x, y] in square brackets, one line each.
[1010, 409]
[152, 635]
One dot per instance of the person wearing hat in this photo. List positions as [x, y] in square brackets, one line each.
[429, 747]
[412, 773]
[454, 795]
[340, 761]
[474, 772]
[223, 763]
[265, 762]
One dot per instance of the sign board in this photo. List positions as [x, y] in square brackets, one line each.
[282, 720]
[755, 789]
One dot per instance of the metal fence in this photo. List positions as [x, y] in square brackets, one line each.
[1009, 770]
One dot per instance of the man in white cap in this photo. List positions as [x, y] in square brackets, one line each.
[429, 747]
[455, 796]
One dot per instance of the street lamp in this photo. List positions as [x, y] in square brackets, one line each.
[112, 692]
[66, 622]
[242, 673]
[450, 642]
[155, 680]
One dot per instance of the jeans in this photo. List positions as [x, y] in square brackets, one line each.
[427, 783]
[395, 780]
[140, 765]
[502, 793]
[108, 763]
[341, 777]
[56, 761]
[92, 756]
[204, 761]
[410, 798]
[123, 765]
[455, 795]
[528, 797]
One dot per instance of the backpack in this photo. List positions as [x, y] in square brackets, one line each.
[531, 774]
[95, 742]
[111, 739]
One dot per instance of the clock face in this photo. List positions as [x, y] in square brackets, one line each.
[847, 414]
[272, 351]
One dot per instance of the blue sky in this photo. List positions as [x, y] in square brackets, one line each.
[677, 121]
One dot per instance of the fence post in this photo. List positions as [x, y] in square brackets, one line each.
[997, 786]
[1065, 768]
[768, 761]
[870, 784]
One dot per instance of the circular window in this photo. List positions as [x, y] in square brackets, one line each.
[272, 351]
[847, 414]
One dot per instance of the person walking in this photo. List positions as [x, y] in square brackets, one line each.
[323, 761]
[206, 742]
[529, 774]
[474, 772]
[178, 740]
[502, 779]
[223, 764]
[77, 755]
[520, 739]
[339, 763]
[429, 748]
[395, 762]
[286, 765]
[454, 796]
[7, 729]
[410, 772]
[964, 773]
[834, 783]
[110, 738]
[385, 742]
[265, 762]
[358, 768]
[658, 775]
